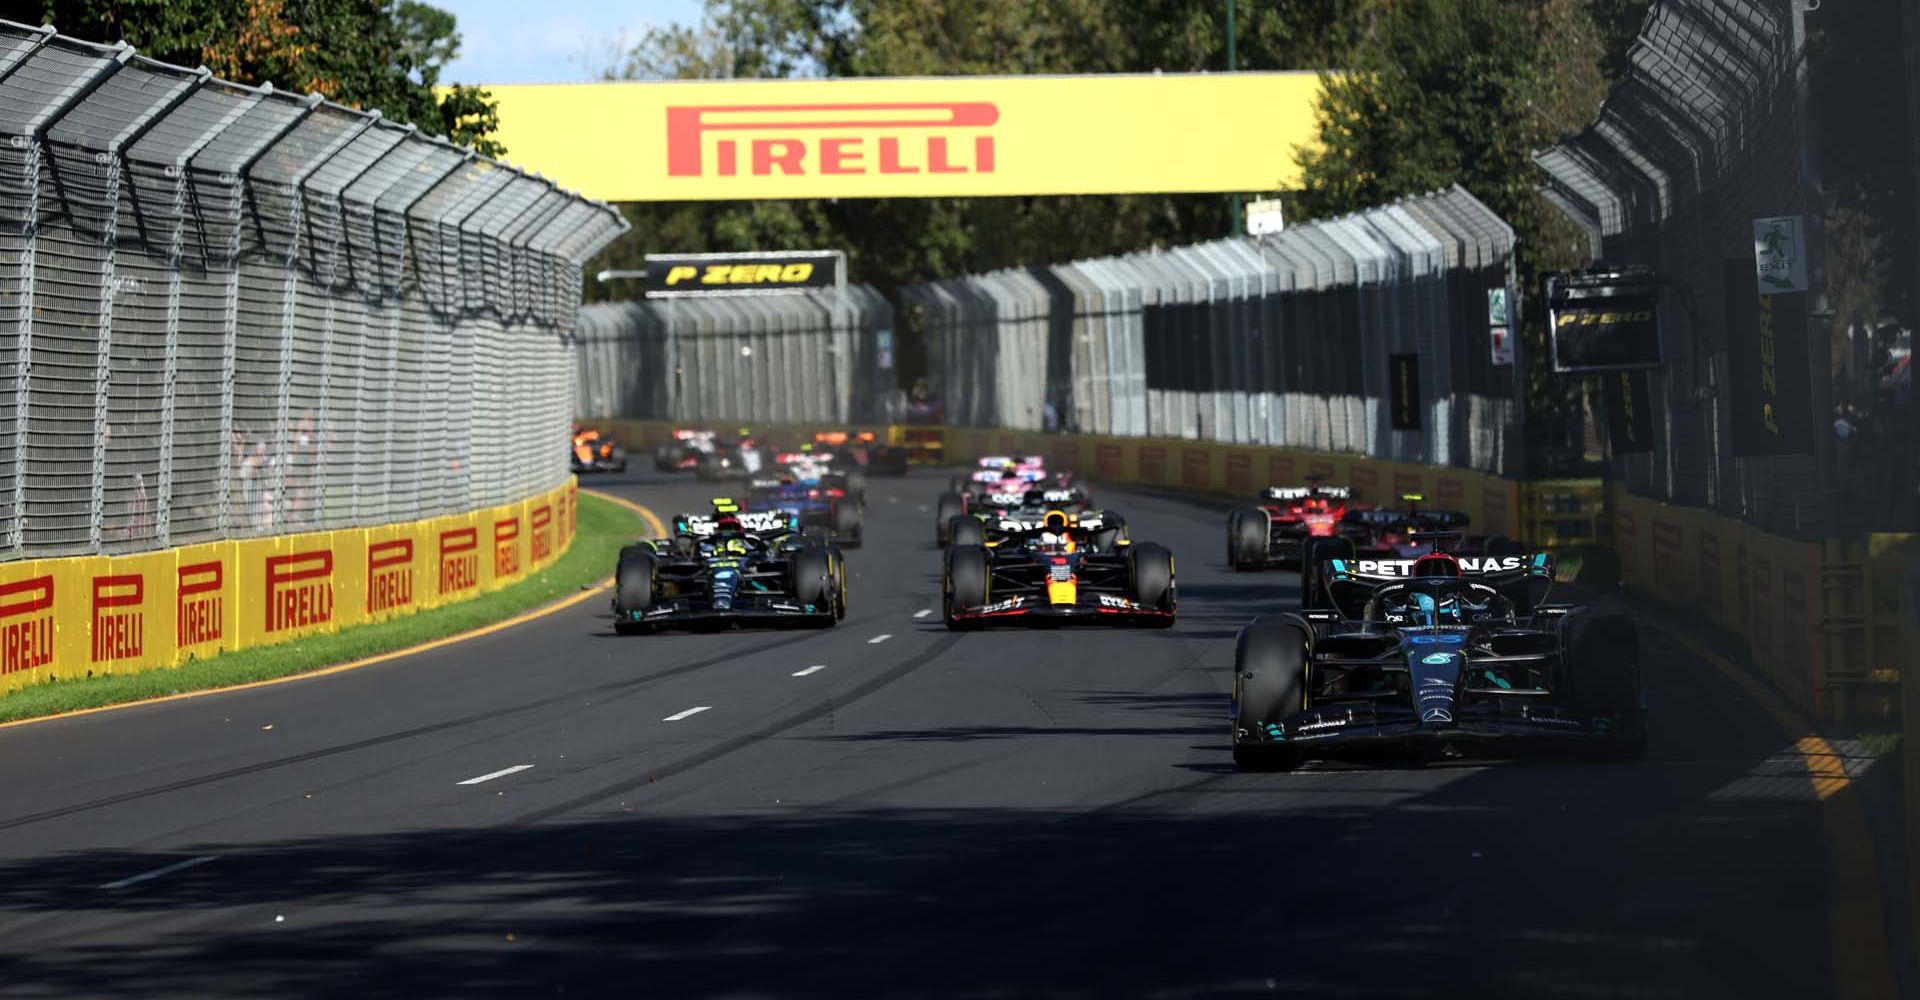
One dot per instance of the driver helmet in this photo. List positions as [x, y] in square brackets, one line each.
[1054, 537]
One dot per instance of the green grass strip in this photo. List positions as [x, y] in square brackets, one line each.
[604, 527]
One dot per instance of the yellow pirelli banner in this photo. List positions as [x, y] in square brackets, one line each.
[913, 138]
[77, 617]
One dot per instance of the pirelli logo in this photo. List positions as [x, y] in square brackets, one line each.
[506, 548]
[119, 625]
[198, 608]
[459, 560]
[762, 140]
[299, 590]
[541, 521]
[26, 624]
[1239, 471]
[389, 575]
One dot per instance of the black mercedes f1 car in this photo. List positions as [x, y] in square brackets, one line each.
[1437, 656]
[728, 568]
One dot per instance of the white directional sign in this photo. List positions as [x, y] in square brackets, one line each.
[1780, 254]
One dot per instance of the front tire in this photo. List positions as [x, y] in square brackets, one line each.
[1601, 657]
[1151, 568]
[1269, 684]
[967, 530]
[966, 583]
[1247, 530]
[634, 582]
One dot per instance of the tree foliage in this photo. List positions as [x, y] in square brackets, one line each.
[385, 54]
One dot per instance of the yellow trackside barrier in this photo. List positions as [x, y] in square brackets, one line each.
[86, 615]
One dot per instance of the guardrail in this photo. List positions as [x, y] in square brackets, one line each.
[228, 311]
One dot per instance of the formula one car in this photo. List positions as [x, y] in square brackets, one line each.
[1061, 567]
[820, 508]
[595, 452]
[981, 514]
[1438, 656]
[682, 454]
[730, 567]
[1394, 534]
[1002, 485]
[865, 451]
[1275, 529]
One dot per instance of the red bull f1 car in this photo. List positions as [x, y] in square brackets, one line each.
[1059, 567]
[1436, 656]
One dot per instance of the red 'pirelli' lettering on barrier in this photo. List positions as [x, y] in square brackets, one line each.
[1450, 492]
[459, 560]
[1153, 464]
[1239, 472]
[541, 521]
[299, 590]
[1196, 467]
[506, 550]
[198, 608]
[1106, 460]
[119, 626]
[26, 624]
[389, 575]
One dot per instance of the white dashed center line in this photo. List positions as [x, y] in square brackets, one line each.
[816, 668]
[159, 872]
[503, 772]
[878, 639]
[677, 716]
[923, 612]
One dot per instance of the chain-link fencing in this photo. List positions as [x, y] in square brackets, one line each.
[1707, 134]
[1368, 334]
[814, 356]
[228, 311]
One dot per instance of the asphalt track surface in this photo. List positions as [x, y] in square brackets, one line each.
[1046, 813]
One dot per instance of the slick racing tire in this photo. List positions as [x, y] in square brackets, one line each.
[958, 484]
[633, 583]
[666, 458]
[846, 521]
[1151, 570]
[1602, 658]
[967, 530]
[1313, 558]
[949, 506]
[965, 583]
[1247, 539]
[811, 582]
[839, 564]
[1269, 683]
[857, 486]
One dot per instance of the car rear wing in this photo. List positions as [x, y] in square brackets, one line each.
[1084, 524]
[1306, 492]
[755, 522]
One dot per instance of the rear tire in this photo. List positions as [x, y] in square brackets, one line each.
[965, 584]
[967, 530]
[1269, 683]
[666, 458]
[1247, 531]
[846, 521]
[949, 506]
[1601, 657]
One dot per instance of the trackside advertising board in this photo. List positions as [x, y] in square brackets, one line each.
[76, 617]
[912, 138]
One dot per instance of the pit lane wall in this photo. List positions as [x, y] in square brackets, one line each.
[90, 615]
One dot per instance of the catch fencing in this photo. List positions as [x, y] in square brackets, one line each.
[228, 311]
[1291, 339]
[814, 356]
[1705, 136]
